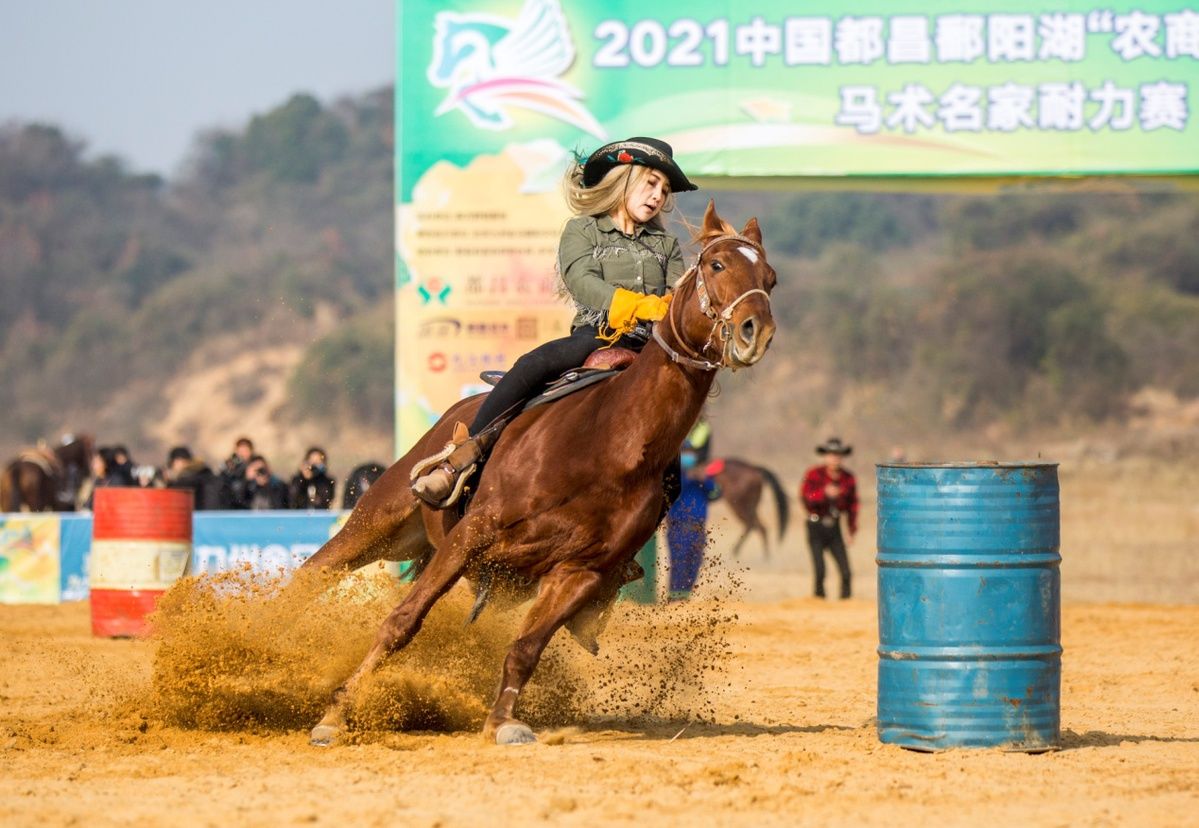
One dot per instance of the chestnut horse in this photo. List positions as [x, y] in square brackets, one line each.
[740, 484]
[572, 490]
[46, 480]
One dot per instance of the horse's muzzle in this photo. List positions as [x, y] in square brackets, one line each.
[750, 340]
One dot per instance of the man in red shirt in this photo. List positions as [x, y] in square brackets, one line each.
[828, 492]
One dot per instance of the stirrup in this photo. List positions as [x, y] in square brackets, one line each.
[480, 443]
[455, 493]
[426, 465]
[442, 458]
[460, 437]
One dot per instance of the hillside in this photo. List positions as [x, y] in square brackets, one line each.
[253, 295]
[130, 304]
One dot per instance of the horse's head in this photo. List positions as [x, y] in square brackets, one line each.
[462, 49]
[77, 451]
[720, 315]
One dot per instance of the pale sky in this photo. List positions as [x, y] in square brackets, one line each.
[139, 78]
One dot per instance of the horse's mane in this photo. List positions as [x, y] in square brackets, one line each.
[701, 237]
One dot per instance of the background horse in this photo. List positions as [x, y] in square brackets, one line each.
[572, 490]
[42, 479]
[741, 483]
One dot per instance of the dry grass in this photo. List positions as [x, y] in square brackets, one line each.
[1130, 531]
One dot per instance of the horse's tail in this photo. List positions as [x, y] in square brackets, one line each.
[780, 498]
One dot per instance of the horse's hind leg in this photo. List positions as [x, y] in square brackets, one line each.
[760, 528]
[385, 525]
[398, 629]
[765, 543]
[740, 540]
[562, 593]
[398, 536]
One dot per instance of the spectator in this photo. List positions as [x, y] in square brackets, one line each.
[103, 464]
[234, 473]
[828, 492]
[121, 470]
[187, 472]
[149, 477]
[686, 529]
[312, 487]
[263, 490]
[699, 440]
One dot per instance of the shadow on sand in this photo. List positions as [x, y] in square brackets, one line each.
[671, 729]
[1072, 740]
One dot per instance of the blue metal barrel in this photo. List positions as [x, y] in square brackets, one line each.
[969, 605]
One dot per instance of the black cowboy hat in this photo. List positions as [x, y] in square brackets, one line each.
[833, 445]
[649, 152]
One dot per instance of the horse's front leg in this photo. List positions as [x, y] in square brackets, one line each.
[587, 624]
[398, 629]
[563, 592]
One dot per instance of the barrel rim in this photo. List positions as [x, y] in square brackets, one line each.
[972, 464]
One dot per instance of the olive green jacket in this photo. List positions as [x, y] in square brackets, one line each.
[595, 258]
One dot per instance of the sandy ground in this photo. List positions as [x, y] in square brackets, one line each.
[790, 740]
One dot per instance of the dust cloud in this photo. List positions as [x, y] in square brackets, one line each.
[244, 652]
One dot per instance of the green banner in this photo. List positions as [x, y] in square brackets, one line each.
[493, 97]
[772, 88]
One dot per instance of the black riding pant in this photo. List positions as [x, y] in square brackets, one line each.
[544, 364]
[820, 538]
[539, 367]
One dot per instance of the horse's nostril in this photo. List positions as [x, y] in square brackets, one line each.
[748, 329]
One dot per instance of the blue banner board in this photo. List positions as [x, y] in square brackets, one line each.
[267, 542]
[74, 547]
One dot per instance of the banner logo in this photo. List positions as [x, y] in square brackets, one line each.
[490, 64]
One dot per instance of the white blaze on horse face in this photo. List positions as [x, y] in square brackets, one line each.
[749, 253]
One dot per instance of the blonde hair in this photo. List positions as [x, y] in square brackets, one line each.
[611, 191]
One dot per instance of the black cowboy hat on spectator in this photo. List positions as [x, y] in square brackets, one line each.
[648, 152]
[833, 445]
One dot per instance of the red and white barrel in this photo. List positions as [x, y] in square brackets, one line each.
[141, 544]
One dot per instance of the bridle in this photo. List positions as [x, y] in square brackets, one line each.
[721, 322]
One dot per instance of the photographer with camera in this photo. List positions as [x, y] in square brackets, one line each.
[312, 487]
[234, 476]
[263, 490]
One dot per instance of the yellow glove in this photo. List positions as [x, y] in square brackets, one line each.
[627, 307]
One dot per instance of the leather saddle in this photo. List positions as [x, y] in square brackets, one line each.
[598, 366]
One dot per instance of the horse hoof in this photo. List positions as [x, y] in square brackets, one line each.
[514, 733]
[323, 736]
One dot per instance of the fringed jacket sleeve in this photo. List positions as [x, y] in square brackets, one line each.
[581, 270]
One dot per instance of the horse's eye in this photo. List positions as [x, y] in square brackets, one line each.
[717, 266]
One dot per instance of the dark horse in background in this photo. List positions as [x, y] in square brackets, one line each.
[44, 479]
[740, 484]
[572, 490]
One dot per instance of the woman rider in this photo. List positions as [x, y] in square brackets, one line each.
[617, 262]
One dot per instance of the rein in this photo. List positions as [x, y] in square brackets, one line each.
[720, 321]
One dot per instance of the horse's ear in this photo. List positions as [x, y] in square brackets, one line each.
[752, 231]
[713, 224]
